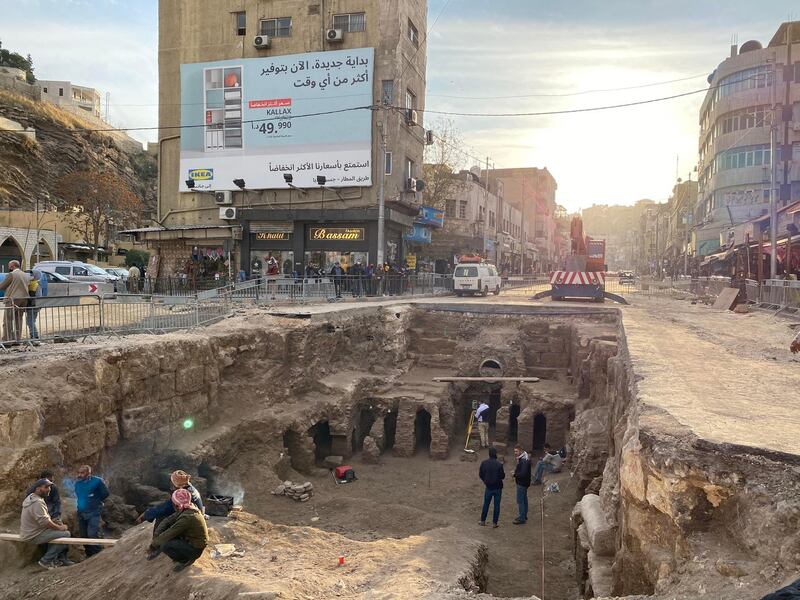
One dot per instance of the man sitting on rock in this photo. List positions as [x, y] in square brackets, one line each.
[37, 527]
[180, 481]
[550, 463]
[183, 535]
[53, 499]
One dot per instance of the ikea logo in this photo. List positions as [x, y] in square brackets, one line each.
[201, 174]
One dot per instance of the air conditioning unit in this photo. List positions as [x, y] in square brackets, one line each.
[223, 198]
[227, 213]
[335, 35]
[415, 185]
[796, 125]
[262, 41]
[411, 117]
[429, 137]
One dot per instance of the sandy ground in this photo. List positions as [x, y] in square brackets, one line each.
[730, 378]
[416, 496]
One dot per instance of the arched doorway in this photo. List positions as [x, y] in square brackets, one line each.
[44, 253]
[539, 431]
[10, 250]
[323, 441]
[513, 424]
[389, 429]
[366, 419]
[422, 430]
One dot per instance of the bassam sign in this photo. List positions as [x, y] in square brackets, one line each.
[337, 234]
[259, 118]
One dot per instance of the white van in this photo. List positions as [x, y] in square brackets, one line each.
[476, 278]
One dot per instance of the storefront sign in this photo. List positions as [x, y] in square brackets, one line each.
[271, 236]
[337, 234]
[418, 233]
[411, 261]
[430, 216]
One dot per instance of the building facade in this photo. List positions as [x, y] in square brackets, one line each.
[69, 96]
[297, 224]
[753, 90]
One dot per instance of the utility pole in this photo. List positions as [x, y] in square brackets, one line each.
[773, 201]
[382, 190]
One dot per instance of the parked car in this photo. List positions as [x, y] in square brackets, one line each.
[120, 272]
[627, 278]
[77, 271]
[472, 276]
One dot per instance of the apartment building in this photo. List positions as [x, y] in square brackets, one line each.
[70, 96]
[283, 150]
[751, 91]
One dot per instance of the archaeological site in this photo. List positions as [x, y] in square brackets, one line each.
[680, 479]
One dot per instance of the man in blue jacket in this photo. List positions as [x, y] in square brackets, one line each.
[492, 474]
[90, 491]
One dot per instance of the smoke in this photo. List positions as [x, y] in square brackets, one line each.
[223, 487]
[67, 487]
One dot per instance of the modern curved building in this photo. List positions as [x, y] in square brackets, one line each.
[735, 120]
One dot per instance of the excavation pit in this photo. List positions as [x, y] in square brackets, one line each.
[273, 399]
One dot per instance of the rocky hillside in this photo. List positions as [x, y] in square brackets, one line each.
[64, 143]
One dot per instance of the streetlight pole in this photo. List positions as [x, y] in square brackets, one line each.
[773, 201]
[382, 190]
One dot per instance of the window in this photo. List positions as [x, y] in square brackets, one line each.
[462, 209]
[409, 168]
[387, 94]
[450, 209]
[63, 270]
[240, 23]
[387, 162]
[411, 100]
[45, 90]
[350, 22]
[276, 27]
[745, 156]
[413, 34]
[60, 91]
[466, 272]
[80, 272]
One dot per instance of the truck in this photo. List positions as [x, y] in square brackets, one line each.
[584, 272]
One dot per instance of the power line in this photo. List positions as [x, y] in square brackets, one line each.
[424, 41]
[568, 94]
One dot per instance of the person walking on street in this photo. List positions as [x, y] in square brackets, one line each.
[53, 498]
[522, 477]
[492, 474]
[183, 535]
[90, 491]
[482, 417]
[37, 527]
[15, 286]
[550, 463]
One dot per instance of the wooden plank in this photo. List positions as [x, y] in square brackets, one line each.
[487, 379]
[726, 298]
[70, 541]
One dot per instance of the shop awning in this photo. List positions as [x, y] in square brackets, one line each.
[185, 232]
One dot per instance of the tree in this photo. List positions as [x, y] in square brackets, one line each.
[17, 61]
[97, 201]
[139, 258]
[442, 159]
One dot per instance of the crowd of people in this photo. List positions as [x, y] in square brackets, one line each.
[19, 290]
[179, 523]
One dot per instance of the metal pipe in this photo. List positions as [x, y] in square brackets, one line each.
[773, 201]
[382, 190]
[161, 173]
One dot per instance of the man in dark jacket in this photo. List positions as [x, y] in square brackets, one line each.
[90, 492]
[336, 274]
[53, 499]
[183, 535]
[492, 474]
[180, 481]
[522, 475]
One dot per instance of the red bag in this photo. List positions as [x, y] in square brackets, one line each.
[340, 472]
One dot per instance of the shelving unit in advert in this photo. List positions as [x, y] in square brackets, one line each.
[223, 108]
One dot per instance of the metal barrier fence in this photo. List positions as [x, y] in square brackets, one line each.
[69, 318]
[780, 295]
[327, 288]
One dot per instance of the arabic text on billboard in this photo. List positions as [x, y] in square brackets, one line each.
[259, 118]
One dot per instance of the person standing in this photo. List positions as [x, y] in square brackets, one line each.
[522, 477]
[37, 527]
[492, 474]
[53, 498]
[183, 535]
[90, 491]
[336, 275]
[15, 286]
[37, 288]
[133, 279]
[482, 417]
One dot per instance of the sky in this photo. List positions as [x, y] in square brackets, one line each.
[548, 55]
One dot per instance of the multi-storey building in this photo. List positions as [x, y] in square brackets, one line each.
[753, 90]
[69, 96]
[272, 81]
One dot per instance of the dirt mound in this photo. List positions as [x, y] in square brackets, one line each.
[277, 562]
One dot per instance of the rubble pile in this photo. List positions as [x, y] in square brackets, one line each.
[301, 492]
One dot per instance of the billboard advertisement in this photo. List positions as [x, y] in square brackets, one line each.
[259, 118]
